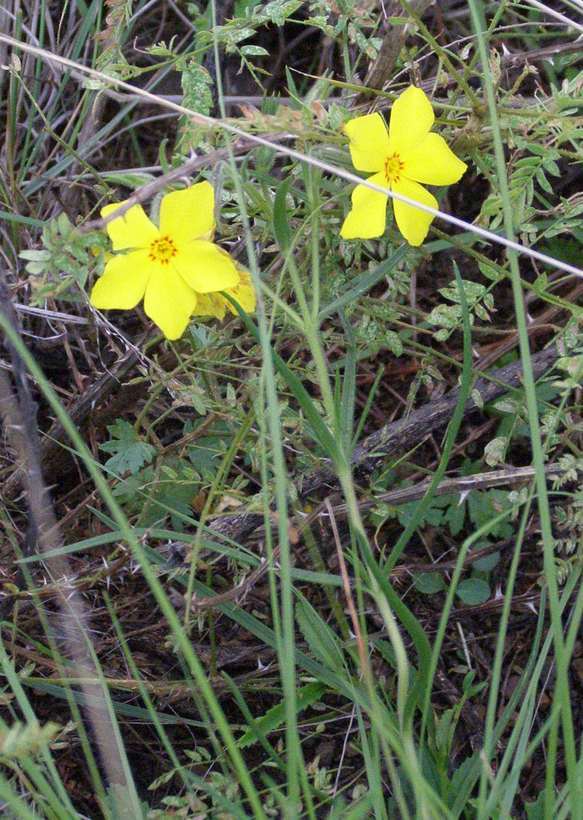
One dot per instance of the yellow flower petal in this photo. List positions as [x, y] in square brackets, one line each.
[433, 162]
[411, 120]
[369, 142]
[132, 230]
[210, 304]
[188, 214]
[123, 282]
[205, 267]
[169, 302]
[368, 216]
[413, 223]
[244, 293]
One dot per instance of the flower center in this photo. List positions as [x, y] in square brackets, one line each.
[162, 250]
[393, 168]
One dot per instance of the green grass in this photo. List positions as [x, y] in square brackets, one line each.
[343, 681]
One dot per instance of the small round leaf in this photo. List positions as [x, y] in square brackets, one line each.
[473, 591]
[429, 582]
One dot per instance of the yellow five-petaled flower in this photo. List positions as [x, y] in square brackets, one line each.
[401, 158]
[175, 267]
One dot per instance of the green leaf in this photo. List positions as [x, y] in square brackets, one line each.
[536, 810]
[394, 343]
[322, 640]
[281, 227]
[487, 563]
[429, 582]
[130, 453]
[455, 516]
[275, 717]
[495, 451]
[131, 180]
[473, 591]
[170, 493]
[196, 87]
[279, 10]
[35, 255]
[254, 51]
[365, 282]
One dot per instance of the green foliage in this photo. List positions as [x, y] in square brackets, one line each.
[534, 170]
[62, 266]
[429, 582]
[275, 717]
[448, 317]
[22, 740]
[473, 509]
[130, 453]
[321, 638]
[473, 591]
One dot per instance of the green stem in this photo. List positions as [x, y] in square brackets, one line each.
[478, 21]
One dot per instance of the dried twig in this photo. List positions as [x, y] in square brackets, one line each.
[18, 413]
[393, 40]
[360, 642]
[404, 433]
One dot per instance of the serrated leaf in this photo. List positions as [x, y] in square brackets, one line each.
[279, 10]
[196, 85]
[24, 740]
[446, 316]
[130, 453]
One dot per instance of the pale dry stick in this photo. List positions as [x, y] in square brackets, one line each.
[74, 617]
[556, 14]
[202, 119]
[464, 485]
[18, 413]
[51, 315]
[389, 51]
[343, 752]
[364, 663]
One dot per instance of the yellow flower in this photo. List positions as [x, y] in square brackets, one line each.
[170, 267]
[400, 158]
[215, 304]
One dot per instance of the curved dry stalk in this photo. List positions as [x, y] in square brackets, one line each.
[18, 415]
